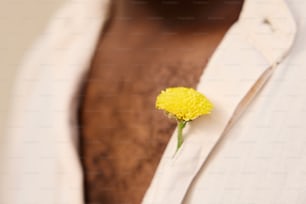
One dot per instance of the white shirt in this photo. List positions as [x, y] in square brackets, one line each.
[251, 149]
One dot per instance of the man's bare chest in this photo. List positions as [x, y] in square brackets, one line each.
[122, 135]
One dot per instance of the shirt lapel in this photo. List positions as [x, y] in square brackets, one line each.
[240, 66]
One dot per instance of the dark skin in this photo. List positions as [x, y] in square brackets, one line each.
[145, 47]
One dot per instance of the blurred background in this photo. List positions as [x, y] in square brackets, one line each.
[21, 22]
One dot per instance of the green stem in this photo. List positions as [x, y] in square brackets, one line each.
[180, 139]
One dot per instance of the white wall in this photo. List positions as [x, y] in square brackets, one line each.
[21, 22]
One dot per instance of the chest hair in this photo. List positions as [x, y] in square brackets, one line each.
[122, 136]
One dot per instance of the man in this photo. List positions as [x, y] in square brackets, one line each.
[249, 150]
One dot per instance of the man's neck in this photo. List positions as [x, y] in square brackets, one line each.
[179, 14]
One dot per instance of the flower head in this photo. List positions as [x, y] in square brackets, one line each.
[185, 104]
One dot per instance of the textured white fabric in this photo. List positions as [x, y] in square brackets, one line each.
[250, 150]
[42, 164]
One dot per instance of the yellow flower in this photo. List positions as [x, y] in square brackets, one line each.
[185, 104]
